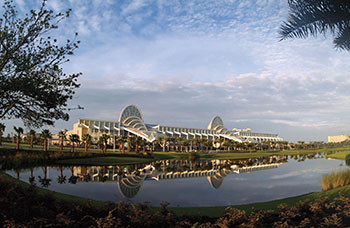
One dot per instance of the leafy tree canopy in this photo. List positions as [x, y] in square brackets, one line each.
[313, 17]
[33, 86]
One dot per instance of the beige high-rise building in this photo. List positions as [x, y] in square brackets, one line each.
[338, 138]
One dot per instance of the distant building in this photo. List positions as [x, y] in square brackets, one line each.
[338, 138]
[247, 134]
[131, 122]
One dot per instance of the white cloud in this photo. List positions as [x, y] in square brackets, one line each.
[185, 62]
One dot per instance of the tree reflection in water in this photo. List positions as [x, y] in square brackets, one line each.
[129, 178]
[61, 179]
[45, 182]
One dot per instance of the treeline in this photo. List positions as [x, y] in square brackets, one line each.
[22, 206]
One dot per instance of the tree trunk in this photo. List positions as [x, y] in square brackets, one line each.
[17, 143]
[61, 146]
[85, 147]
[31, 141]
[45, 145]
[72, 149]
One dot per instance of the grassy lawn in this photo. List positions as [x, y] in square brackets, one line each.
[56, 195]
[39, 148]
[185, 156]
[339, 155]
[270, 205]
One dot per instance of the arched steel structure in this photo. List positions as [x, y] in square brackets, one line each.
[218, 125]
[130, 110]
[216, 121]
[131, 120]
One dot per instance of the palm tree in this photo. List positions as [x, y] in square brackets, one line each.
[143, 144]
[74, 138]
[45, 135]
[301, 144]
[131, 143]
[2, 129]
[220, 141]
[186, 144]
[193, 144]
[162, 141]
[87, 141]
[138, 142]
[179, 141]
[32, 136]
[313, 17]
[19, 131]
[63, 136]
[227, 145]
[150, 146]
[121, 141]
[104, 140]
[208, 143]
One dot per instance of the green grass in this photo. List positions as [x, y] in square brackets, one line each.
[185, 156]
[270, 205]
[57, 195]
[39, 148]
[340, 155]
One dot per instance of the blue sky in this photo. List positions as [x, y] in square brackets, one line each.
[183, 62]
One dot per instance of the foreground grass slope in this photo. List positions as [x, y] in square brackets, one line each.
[23, 206]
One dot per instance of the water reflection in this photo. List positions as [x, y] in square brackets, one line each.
[188, 183]
[130, 178]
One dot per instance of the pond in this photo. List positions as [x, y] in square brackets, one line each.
[189, 183]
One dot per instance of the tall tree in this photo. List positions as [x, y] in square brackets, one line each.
[179, 141]
[313, 17]
[33, 86]
[162, 142]
[87, 141]
[45, 136]
[62, 135]
[32, 136]
[104, 140]
[74, 138]
[121, 139]
[19, 132]
[2, 129]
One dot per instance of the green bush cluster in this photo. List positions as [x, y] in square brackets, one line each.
[22, 206]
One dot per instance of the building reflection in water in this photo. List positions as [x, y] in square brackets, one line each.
[130, 178]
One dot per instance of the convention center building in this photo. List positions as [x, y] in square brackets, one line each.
[131, 122]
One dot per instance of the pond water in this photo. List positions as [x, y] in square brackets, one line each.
[189, 183]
